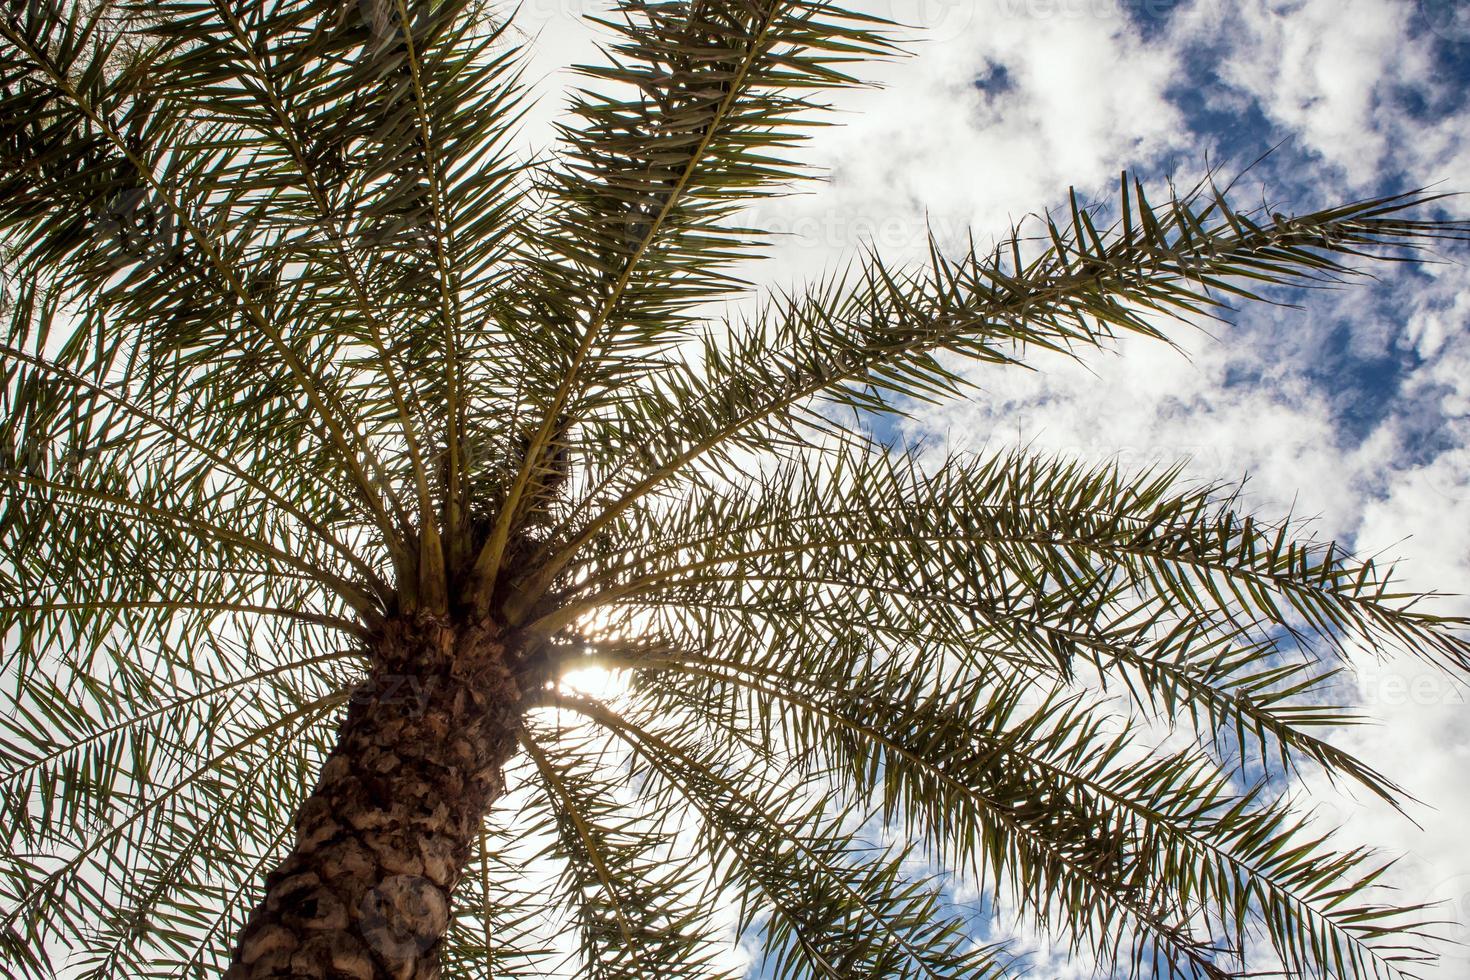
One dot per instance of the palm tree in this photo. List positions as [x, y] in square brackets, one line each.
[340, 439]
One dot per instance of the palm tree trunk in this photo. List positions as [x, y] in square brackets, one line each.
[382, 840]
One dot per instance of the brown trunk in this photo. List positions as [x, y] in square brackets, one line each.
[382, 840]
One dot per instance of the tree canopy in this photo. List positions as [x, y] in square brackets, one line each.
[298, 342]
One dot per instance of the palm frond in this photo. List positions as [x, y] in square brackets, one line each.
[840, 910]
[1141, 855]
[637, 903]
[877, 339]
[1199, 612]
[681, 130]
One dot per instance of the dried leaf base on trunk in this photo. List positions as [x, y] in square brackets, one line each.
[380, 843]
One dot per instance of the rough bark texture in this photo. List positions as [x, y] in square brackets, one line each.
[382, 840]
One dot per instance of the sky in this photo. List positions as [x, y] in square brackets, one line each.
[1353, 410]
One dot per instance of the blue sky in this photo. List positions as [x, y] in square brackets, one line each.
[1354, 410]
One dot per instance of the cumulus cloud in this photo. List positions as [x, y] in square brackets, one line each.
[981, 126]
[1355, 81]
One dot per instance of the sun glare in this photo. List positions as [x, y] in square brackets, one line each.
[598, 626]
[594, 682]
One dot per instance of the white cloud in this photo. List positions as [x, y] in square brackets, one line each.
[931, 146]
[1332, 73]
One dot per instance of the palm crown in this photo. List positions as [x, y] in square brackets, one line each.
[320, 396]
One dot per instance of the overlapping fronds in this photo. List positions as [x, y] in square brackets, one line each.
[1140, 856]
[945, 640]
[295, 341]
[145, 789]
[837, 907]
[1169, 591]
[879, 338]
[691, 121]
[636, 897]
